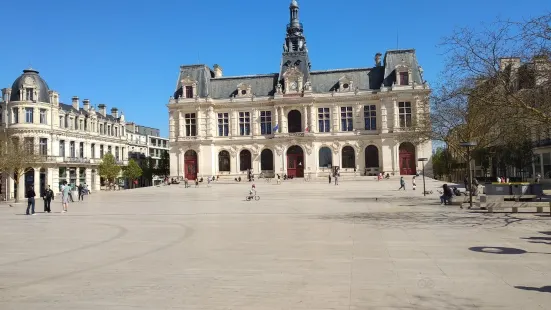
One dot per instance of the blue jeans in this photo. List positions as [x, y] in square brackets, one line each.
[445, 199]
[30, 204]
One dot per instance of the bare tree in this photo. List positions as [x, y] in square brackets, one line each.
[18, 158]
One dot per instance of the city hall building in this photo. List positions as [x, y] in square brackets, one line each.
[298, 121]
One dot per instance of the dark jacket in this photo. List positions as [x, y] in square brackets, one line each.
[30, 193]
[48, 194]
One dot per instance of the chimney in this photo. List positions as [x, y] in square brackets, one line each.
[217, 71]
[86, 104]
[115, 112]
[75, 102]
[102, 109]
[378, 59]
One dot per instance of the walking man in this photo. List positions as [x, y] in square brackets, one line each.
[65, 190]
[402, 184]
[30, 200]
[48, 197]
[80, 189]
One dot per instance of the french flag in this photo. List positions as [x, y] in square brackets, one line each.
[276, 127]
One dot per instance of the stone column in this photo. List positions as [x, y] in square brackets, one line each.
[358, 117]
[10, 186]
[88, 177]
[199, 123]
[77, 172]
[383, 127]
[181, 127]
[37, 182]
[21, 187]
[254, 122]
[335, 119]
[284, 120]
[395, 113]
[313, 123]
[234, 123]
[305, 119]
[276, 120]
[171, 126]
[210, 129]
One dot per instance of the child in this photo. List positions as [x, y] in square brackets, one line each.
[413, 184]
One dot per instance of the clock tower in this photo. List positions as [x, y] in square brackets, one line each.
[295, 64]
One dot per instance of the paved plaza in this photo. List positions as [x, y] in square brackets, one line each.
[304, 245]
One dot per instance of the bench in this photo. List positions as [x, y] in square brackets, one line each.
[460, 200]
[515, 205]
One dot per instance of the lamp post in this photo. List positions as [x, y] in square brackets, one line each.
[468, 145]
[423, 160]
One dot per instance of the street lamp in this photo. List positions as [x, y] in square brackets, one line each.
[423, 160]
[468, 145]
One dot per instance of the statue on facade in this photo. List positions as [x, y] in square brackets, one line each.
[285, 47]
[308, 85]
[279, 88]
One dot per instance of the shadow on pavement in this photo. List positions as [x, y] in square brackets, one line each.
[543, 289]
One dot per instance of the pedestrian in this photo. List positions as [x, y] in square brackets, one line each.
[65, 192]
[48, 197]
[329, 178]
[337, 175]
[80, 189]
[30, 200]
[413, 183]
[208, 181]
[70, 190]
[402, 184]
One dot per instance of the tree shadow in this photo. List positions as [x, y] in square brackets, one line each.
[543, 289]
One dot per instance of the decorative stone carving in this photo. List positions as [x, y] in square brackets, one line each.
[233, 150]
[308, 85]
[308, 148]
[279, 149]
[293, 80]
[279, 89]
[244, 90]
[336, 146]
[255, 149]
[345, 83]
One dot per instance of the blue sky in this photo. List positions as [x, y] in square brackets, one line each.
[127, 53]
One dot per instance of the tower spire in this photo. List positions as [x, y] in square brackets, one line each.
[294, 13]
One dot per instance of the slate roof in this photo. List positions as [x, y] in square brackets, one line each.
[322, 81]
[69, 108]
[44, 90]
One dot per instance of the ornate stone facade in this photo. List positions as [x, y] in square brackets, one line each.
[348, 118]
[71, 137]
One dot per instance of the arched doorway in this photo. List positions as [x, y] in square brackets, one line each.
[224, 161]
[294, 121]
[295, 162]
[407, 159]
[371, 157]
[245, 160]
[348, 157]
[267, 160]
[325, 157]
[190, 165]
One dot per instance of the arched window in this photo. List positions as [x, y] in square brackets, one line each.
[224, 161]
[348, 157]
[245, 160]
[267, 160]
[294, 121]
[325, 157]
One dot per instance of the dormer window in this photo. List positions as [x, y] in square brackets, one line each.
[403, 75]
[244, 90]
[404, 78]
[29, 94]
[345, 84]
[189, 87]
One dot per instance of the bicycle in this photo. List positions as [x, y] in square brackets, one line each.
[251, 197]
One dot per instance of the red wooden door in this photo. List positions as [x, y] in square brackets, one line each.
[295, 165]
[190, 168]
[407, 163]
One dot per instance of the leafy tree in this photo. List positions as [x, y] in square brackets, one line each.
[108, 168]
[132, 171]
[443, 163]
[148, 168]
[18, 158]
[164, 165]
